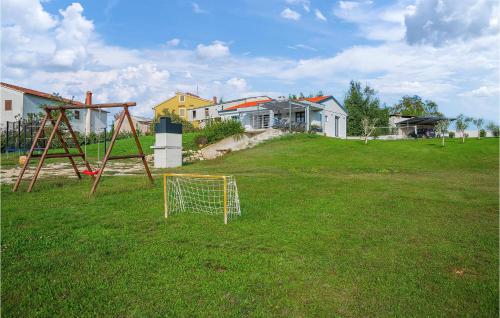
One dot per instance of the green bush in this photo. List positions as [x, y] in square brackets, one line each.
[482, 133]
[218, 130]
[451, 134]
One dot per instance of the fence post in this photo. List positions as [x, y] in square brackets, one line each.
[105, 130]
[7, 139]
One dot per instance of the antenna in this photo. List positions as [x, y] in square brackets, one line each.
[197, 90]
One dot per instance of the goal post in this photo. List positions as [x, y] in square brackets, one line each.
[198, 193]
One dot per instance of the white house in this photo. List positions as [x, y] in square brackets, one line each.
[322, 114]
[19, 102]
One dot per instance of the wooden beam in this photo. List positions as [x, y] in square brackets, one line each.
[75, 140]
[138, 143]
[93, 106]
[108, 153]
[64, 145]
[45, 151]
[60, 155]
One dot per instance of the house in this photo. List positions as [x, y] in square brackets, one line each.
[206, 113]
[142, 125]
[20, 103]
[403, 126]
[322, 114]
[181, 103]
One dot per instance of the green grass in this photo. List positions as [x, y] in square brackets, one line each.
[328, 228]
[122, 147]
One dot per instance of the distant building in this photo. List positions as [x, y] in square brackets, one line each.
[414, 126]
[322, 114]
[141, 124]
[181, 104]
[19, 103]
[206, 113]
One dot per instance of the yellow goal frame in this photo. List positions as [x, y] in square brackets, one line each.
[193, 175]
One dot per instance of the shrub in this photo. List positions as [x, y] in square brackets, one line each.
[451, 134]
[200, 140]
[482, 133]
[219, 130]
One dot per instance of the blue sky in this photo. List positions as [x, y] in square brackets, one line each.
[145, 50]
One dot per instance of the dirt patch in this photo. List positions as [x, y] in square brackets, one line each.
[9, 176]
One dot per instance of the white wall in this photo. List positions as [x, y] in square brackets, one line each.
[331, 110]
[17, 105]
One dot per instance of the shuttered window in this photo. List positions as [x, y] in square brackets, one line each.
[8, 104]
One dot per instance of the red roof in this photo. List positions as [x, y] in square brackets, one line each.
[39, 94]
[317, 99]
[249, 104]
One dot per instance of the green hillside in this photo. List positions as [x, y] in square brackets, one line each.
[328, 228]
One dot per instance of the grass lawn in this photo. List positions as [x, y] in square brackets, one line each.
[329, 228]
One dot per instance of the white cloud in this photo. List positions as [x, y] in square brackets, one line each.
[27, 14]
[375, 23]
[239, 84]
[439, 21]
[173, 42]
[214, 50]
[454, 74]
[288, 13]
[302, 46]
[483, 91]
[306, 4]
[197, 9]
[72, 37]
[319, 15]
[348, 5]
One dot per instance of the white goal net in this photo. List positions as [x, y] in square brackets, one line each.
[209, 194]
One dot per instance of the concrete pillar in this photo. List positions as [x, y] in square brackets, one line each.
[307, 115]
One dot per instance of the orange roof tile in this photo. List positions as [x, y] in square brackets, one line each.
[249, 104]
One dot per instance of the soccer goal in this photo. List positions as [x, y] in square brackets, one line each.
[196, 193]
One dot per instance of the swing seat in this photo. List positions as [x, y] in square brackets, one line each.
[90, 173]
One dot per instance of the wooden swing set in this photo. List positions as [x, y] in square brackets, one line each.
[56, 123]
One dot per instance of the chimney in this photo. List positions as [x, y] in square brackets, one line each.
[215, 100]
[88, 98]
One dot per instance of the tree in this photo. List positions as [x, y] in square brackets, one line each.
[461, 124]
[360, 103]
[478, 122]
[415, 106]
[493, 128]
[368, 127]
[319, 93]
[441, 127]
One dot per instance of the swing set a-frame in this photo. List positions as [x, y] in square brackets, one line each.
[62, 118]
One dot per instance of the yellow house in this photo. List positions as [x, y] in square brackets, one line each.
[181, 103]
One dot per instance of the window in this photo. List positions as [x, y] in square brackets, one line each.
[182, 112]
[194, 114]
[77, 114]
[300, 117]
[8, 104]
[336, 126]
[182, 98]
[207, 114]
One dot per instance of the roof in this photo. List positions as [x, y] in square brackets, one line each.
[186, 93]
[249, 104]
[422, 120]
[142, 119]
[40, 94]
[316, 99]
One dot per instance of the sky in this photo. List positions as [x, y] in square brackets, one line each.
[144, 51]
